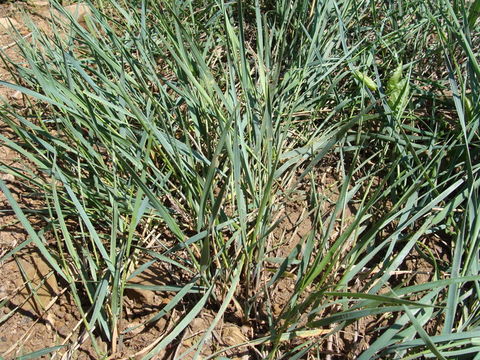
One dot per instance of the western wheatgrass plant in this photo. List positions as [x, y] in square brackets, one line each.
[173, 133]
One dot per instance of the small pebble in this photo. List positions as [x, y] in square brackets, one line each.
[63, 331]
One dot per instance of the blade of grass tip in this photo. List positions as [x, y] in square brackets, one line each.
[31, 232]
[39, 353]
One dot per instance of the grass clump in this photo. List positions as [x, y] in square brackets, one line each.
[175, 135]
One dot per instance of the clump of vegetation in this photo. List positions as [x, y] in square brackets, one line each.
[177, 134]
